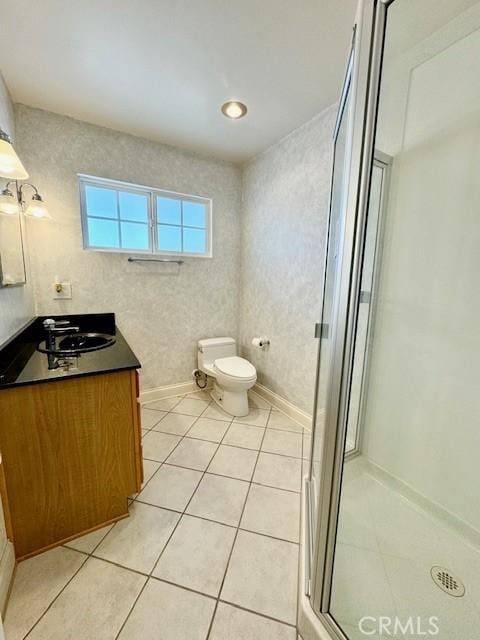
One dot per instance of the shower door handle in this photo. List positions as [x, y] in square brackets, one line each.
[322, 330]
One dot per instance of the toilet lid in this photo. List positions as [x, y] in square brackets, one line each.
[235, 367]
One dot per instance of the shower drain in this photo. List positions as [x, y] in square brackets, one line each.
[447, 582]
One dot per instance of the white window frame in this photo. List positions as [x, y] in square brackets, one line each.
[151, 193]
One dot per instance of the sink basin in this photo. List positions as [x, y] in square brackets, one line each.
[74, 343]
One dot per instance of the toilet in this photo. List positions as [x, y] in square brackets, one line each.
[217, 357]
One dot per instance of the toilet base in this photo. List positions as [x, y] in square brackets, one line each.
[233, 402]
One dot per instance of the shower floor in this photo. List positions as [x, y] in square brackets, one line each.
[386, 548]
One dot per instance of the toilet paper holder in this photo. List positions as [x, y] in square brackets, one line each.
[260, 343]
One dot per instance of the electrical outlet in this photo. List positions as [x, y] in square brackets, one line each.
[62, 290]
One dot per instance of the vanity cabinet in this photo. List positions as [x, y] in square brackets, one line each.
[71, 451]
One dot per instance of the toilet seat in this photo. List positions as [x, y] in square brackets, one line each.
[236, 367]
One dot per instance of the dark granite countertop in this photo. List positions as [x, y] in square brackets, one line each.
[21, 363]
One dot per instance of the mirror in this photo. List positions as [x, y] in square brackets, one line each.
[12, 261]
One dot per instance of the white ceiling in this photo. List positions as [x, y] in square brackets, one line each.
[162, 68]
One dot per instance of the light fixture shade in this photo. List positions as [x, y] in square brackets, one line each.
[8, 203]
[10, 164]
[37, 208]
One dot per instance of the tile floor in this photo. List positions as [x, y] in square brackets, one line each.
[210, 550]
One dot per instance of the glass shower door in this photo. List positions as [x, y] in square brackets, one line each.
[371, 256]
[334, 250]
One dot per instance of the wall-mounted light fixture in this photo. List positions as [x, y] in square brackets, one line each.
[12, 203]
[10, 164]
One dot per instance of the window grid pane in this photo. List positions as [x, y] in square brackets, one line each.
[192, 238]
[181, 233]
[121, 219]
[169, 210]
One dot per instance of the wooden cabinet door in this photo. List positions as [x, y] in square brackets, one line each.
[70, 455]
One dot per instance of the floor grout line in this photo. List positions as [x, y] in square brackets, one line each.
[257, 613]
[56, 597]
[177, 466]
[234, 542]
[181, 514]
[272, 453]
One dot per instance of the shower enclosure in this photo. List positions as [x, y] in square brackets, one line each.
[391, 538]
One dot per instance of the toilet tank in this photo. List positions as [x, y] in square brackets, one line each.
[211, 349]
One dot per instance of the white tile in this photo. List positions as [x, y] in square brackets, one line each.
[144, 432]
[197, 554]
[175, 423]
[360, 586]
[283, 442]
[149, 417]
[242, 435]
[278, 471]
[402, 530]
[216, 413]
[137, 541]
[165, 612]
[37, 582]
[262, 576]
[273, 512]
[416, 594]
[165, 404]
[157, 446]
[89, 541]
[218, 498]
[200, 395]
[281, 421]
[355, 521]
[257, 417]
[233, 462]
[464, 561]
[191, 407]
[150, 467]
[93, 605]
[232, 623]
[193, 454]
[171, 487]
[257, 402]
[354, 633]
[208, 429]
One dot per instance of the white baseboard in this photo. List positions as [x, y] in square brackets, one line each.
[283, 405]
[169, 390]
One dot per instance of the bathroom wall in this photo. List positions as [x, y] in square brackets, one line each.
[161, 309]
[284, 225]
[422, 419]
[16, 304]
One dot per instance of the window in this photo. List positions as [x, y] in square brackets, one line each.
[118, 216]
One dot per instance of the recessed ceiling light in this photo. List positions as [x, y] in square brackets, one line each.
[234, 109]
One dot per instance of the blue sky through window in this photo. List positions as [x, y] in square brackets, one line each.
[121, 218]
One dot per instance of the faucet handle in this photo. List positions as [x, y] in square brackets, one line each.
[50, 323]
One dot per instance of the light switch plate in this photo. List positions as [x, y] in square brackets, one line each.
[62, 290]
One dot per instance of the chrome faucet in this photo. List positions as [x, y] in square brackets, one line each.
[55, 327]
